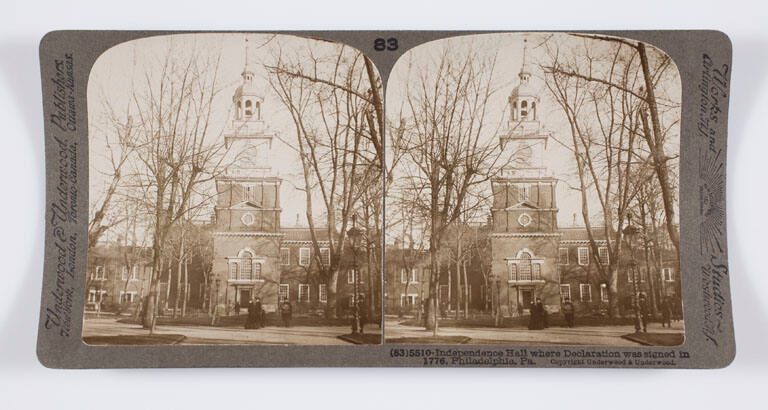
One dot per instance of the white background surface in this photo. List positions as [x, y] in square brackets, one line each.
[24, 383]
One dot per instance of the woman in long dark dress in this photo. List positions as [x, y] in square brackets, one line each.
[533, 324]
[250, 322]
[537, 316]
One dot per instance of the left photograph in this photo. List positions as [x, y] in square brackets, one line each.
[235, 192]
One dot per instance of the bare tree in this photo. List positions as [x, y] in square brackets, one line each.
[448, 145]
[335, 102]
[119, 141]
[654, 68]
[606, 120]
[177, 149]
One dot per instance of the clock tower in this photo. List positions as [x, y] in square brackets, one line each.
[524, 239]
[246, 240]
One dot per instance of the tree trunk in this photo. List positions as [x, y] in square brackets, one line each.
[186, 289]
[332, 303]
[178, 276]
[466, 291]
[657, 149]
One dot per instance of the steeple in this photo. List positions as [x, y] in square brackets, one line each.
[247, 73]
[523, 98]
[525, 71]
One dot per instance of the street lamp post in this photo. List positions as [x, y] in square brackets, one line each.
[354, 234]
[629, 232]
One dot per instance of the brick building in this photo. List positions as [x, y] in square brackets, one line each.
[254, 256]
[530, 256]
[118, 277]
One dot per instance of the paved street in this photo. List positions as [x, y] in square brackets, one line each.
[587, 335]
[308, 335]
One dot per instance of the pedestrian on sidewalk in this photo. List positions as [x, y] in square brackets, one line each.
[568, 311]
[286, 311]
[537, 316]
[258, 313]
[250, 321]
[666, 312]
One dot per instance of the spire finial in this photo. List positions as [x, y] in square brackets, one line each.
[246, 51]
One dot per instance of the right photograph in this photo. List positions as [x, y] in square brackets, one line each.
[533, 192]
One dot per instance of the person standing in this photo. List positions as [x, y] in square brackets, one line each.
[257, 313]
[537, 318]
[286, 311]
[568, 311]
[666, 312]
[250, 321]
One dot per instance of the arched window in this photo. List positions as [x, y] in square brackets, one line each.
[514, 111]
[233, 270]
[523, 109]
[258, 110]
[247, 266]
[248, 108]
[533, 110]
[525, 266]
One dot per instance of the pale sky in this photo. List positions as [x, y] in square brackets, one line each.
[124, 64]
[509, 48]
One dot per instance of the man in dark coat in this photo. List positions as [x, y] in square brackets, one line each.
[537, 316]
[568, 311]
[258, 314]
[286, 311]
[250, 321]
[666, 313]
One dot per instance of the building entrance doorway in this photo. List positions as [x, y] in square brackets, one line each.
[526, 298]
[245, 297]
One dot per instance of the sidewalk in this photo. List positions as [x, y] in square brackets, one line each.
[305, 335]
[591, 335]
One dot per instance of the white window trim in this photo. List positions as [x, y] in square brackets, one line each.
[578, 256]
[287, 291]
[304, 287]
[326, 251]
[309, 256]
[667, 277]
[565, 286]
[603, 292]
[322, 293]
[281, 256]
[583, 286]
[133, 294]
[351, 277]
[413, 296]
[567, 256]
[607, 255]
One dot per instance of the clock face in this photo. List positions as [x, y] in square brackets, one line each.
[524, 220]
[525, 153]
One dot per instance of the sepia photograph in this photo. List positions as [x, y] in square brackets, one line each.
[235, 192]
[534, 196]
